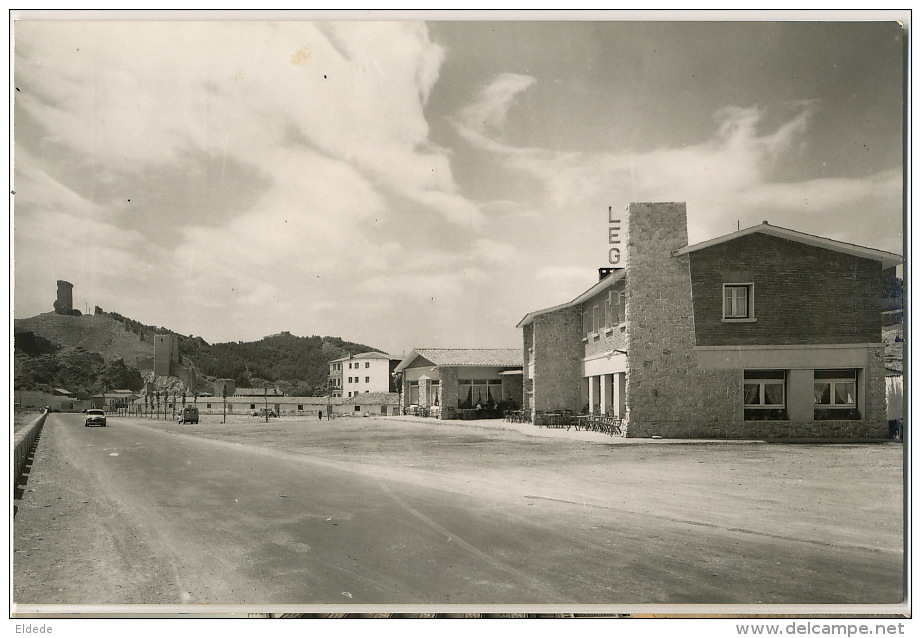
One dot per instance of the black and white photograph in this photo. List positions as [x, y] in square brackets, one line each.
[470, 315]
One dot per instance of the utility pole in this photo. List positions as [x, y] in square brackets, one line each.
[224, 394]
[266, 390]
[398, 386]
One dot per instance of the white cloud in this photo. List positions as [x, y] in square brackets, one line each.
[488, 113]
[325, 119]
[728, 177]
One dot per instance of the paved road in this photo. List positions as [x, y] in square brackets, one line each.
[134, 514]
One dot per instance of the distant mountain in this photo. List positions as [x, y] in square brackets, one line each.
[88, 353]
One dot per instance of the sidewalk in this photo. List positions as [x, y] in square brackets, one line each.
[562, 433]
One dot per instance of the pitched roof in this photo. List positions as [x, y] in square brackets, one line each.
[365, 355]
[257, 392]
[486, 357]
[614, 276]
[888, 260]
[373, 398]
[283, 400]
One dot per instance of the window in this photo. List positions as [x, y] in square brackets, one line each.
[413, 393]
[616, 306]
[367, 379]
[367, 364]
[482, 392]
[738, 301]
[252, 406]
[358, 408]
[207, 406]
[835, 394]
[300, 406]
[596, 320]
[764, 393]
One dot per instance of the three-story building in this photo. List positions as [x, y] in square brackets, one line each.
[361, 374]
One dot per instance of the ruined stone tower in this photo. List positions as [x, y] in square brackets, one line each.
[166, 354]
[64, 304]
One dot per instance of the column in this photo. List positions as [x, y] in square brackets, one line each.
[605, 399]
[591, 395]
[598, 398]
[619, 387]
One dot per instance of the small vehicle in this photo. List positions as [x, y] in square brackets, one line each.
[95, 417]
[188, 414]
[271, 413]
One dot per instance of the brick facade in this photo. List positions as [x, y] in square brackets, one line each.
[802, 294]
[611, 333]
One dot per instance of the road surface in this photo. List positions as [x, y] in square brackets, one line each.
[144, 512]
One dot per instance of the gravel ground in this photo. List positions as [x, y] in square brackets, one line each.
[840, 491]
[821, 500]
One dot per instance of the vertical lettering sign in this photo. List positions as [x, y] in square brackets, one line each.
[613, 238]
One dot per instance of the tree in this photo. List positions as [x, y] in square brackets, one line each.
[32, 344]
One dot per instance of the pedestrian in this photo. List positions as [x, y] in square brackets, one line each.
[320, 415]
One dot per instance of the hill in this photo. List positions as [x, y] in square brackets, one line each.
[100, 333]
[91, 352]
[301, 362]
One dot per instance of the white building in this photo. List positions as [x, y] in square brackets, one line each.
[362, 373]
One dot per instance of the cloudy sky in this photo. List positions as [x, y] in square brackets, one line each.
[424, 184]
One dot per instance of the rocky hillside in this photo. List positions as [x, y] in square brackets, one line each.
[90, 352]
[99, 333]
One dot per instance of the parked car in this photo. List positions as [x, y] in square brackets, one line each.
[95, 417]
[188, 414]
[271, 413]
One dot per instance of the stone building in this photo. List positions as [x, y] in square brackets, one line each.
[762, 333]
[450, 382]
[371, 404]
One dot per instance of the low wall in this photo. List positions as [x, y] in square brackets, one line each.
[762, 430]
[22, 443]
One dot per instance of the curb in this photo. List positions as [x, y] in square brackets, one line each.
[23, 443]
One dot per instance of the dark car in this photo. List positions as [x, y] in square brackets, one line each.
[188, 414]
[95, 417]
